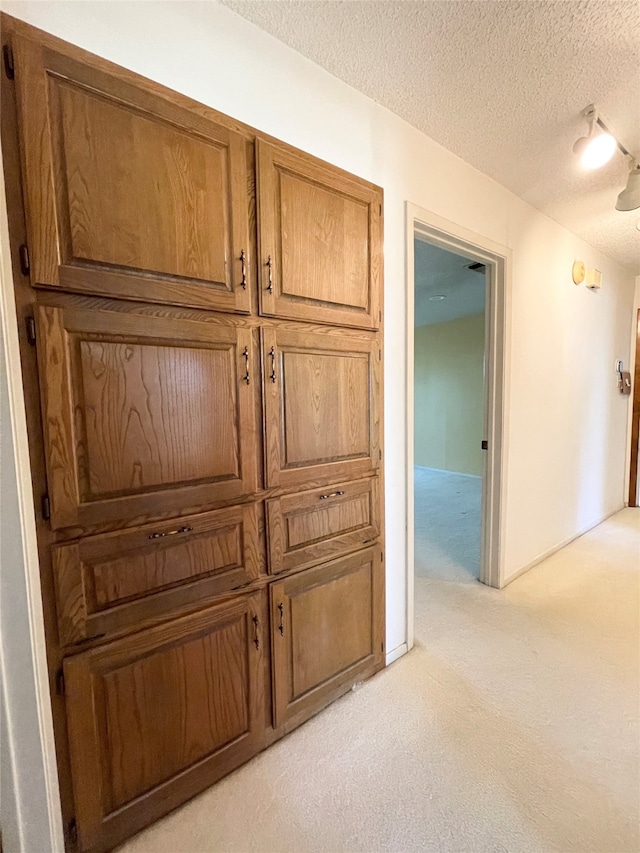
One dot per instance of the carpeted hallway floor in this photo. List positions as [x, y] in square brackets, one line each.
[511, 726]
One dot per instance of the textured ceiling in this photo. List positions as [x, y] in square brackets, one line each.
[443, 273]
[501, 83]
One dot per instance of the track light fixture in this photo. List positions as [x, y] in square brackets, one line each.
[598, 147]
[629, 198]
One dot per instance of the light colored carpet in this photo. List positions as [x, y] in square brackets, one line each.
[512, 726]
[447, 524]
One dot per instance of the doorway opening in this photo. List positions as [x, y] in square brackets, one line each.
[449, 417]
[456, 355]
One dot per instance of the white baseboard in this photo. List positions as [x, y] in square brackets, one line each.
[396, 653]
[541, 557]
[444, 471]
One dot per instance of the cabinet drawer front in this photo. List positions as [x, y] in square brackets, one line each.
[143, 415]
[320, 237]
[127, 194]
[317, 525]
[116, 581]
[322, 405]
[327, 626]
[156, 717]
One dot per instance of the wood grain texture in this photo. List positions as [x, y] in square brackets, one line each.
[161, 713]
[79, 117]
[322, 231]
[326, 627]
[126, 195]
[322, 411]
[161, 413]
[108, 583]
[151, 413]
[308, 527]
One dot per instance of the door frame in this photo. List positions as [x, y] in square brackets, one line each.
[497, 258]
[635, 419]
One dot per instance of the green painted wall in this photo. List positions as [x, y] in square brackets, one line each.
[449, 395]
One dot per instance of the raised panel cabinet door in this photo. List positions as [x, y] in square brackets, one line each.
[320, 235]
[158, 716]
[309, 527]
[115, 581]
[143, 415]
[327, 627]
[322, 405]
[128, 194]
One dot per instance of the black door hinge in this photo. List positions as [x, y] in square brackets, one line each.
[379, 454]
[60, 685]
[72, 831]
[485, 444]
[7, 54]
[46, 507]
[23, 253]
[31, 330]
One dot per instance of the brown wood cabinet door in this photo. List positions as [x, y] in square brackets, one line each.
[313, 526]
[327, 628]
[143, 415]
[121, 580]
[322, 405]
[126, 193]
[320, 240]
[158, 716]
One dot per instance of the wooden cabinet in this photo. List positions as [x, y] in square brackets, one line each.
[309, 527]
[144, 415]
[327, 632]
[155, 717]
[121, 580]
[202, 360]
[322, 405]
[128, 194]
[320, 235]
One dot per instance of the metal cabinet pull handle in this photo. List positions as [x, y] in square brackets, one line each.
[281, 624]
[243, 261]
[331, 495]
[272, 353]
[170, 532]
[256, 639]
[245, 353]
[270, 266]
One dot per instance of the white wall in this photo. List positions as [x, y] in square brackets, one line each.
[567, 423]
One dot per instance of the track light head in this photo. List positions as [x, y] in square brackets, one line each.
[629, 198]
[597, 148]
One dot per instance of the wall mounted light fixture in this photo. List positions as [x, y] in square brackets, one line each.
[598, 147]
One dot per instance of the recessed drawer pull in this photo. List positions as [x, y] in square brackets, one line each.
[170, 532]
[331, 495]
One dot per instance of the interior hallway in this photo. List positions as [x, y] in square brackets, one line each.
[512, 725]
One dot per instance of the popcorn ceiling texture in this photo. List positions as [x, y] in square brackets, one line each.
[511, 726]
[502, 84]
